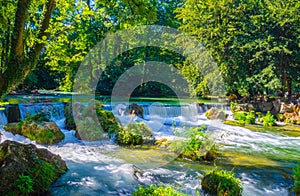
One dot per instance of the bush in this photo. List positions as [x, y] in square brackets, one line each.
[250, 118]
[296, 176]
[268, 119]
[245, 117]
[221, 183]
[154, 190]
[134, 134]
[196, 146]
[240, 116]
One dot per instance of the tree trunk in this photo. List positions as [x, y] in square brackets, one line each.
[19, 66]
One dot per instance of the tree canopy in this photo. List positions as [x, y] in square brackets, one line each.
[254, 43]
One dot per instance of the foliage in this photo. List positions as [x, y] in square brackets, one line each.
[244, 117]
[195, 146]
[296, 172]
[255, 43]
[21, 46]
[134, 134]
[163, 142]
[268, 119]
[250, 118]
[154, 190]
[221, 183]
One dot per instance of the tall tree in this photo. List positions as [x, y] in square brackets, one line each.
[255, 43]
[23, 57]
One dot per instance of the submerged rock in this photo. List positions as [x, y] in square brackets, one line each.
[27, 170]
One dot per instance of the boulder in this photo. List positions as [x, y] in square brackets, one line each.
[34, 128]
[27, 170]
[135, 109]
[214, 113]
[13, 113]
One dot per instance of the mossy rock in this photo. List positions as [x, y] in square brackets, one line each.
[221, 183]
[37, 128]
[109, 123]
[27, 170]
[13, 128]
[89, 127]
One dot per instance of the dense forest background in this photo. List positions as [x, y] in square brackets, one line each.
[255, 43]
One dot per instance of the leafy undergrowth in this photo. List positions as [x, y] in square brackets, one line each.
[135, 133]
[196, 145]
[154, 190]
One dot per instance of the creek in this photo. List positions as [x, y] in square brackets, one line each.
[263, 161]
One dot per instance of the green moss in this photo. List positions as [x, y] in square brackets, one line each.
[154, 190]
[107, 120]
[24, 184]
[221, 183]
[296, 175]
[34, 180]
[38, 128]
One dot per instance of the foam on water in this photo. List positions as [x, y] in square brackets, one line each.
[95, 167]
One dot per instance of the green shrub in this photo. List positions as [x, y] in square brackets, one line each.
[221, 183]
[250, 118]
[268, 119]
[196, 145]
[134, 134]
[154, 190]
[240, 116]
[296, 175]
[233, 106]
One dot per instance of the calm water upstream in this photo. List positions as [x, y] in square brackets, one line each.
[263, 161]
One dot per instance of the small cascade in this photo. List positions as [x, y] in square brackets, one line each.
[3, 118]
[54, 111]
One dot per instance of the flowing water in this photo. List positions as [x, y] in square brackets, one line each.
[263, 161]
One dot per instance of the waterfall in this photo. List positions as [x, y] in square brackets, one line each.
[54, 111]
[3, 118]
